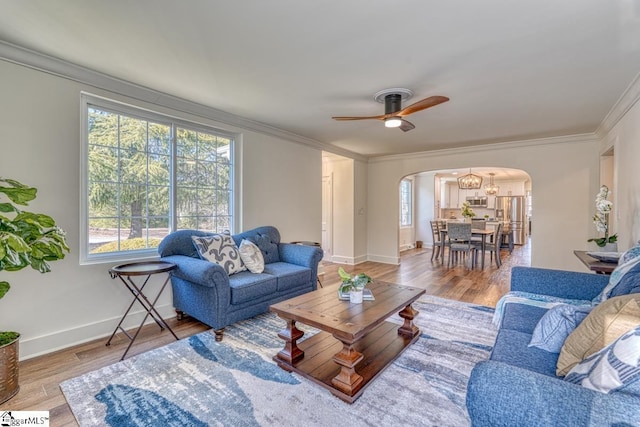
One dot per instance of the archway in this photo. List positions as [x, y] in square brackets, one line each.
[437, 195]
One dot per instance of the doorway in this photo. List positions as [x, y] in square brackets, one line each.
[327, 214]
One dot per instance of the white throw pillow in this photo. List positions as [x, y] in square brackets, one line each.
[220, 249]
[251, 256]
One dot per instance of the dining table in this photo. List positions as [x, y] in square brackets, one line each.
[483, 233]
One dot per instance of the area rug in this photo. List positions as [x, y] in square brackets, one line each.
[200, 382]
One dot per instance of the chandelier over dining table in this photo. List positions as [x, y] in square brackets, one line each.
[491, 189]
[470, 181]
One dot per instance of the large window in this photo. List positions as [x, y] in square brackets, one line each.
[406, 203]
[146, 175]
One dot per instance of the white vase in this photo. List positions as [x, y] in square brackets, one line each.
[355, 297]
[609, 247]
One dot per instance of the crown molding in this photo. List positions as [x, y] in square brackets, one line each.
[626, 101]
[568, 139]
[57, 67]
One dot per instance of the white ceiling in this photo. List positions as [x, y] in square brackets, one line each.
[513, 69]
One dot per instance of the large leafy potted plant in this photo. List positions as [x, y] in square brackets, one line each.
[26, 239]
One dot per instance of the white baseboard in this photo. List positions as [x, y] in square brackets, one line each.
[360, 259]
[38, 346]
[338, 259]
[384, 259]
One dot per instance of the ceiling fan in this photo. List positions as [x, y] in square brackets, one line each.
[394, 113]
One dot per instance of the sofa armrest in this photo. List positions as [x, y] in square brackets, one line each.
[559, 283]
[198, 271]
[303, 255]
[499, 394]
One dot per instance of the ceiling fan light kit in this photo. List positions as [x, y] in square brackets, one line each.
[393, 122]
[393, 112]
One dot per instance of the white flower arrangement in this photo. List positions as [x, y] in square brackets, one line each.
[467, 212]
[601, 218]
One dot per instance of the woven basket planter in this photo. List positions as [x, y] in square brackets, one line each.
[9, 370]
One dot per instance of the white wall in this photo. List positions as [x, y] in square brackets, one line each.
[564, 173]
[40, 139]
[625, 139]
[360, 214]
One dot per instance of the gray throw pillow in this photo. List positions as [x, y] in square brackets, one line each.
[556, 324]
[625, 279]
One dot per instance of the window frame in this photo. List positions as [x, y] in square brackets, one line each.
[174, 121]
[410, 202]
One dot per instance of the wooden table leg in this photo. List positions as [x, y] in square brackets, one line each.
[408, 329]
[348, 380]
[290, 353]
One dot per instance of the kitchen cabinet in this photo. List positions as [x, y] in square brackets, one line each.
[491, 202]
[452, 195]
[511, 188]
[437, 191]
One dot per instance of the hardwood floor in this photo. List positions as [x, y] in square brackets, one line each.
[40, 377]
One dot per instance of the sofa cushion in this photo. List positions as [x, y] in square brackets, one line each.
[522, 317]
[512, 347]
[266, 238]
[606, 323]
[289, 275]
[615, 368]
[555, 326]
[251, 256]
[247, 286]
[220, 249]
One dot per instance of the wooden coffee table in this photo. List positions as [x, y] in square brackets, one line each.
[356, 343]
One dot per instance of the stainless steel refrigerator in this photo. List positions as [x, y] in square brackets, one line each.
[511, 210]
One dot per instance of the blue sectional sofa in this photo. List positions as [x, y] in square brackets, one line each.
[204, 290]
[518, 385]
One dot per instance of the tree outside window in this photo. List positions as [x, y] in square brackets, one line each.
[148, 175]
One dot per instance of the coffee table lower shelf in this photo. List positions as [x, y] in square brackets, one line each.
[380, 348]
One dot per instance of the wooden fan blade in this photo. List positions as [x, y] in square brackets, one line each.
[432, 101]
[406, 126]
[381, 117]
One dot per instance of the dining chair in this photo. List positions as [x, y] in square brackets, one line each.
[493, 245]
[437, 242]
[459, 240]
[478, 224]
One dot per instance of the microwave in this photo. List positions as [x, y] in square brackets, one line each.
[477, 201]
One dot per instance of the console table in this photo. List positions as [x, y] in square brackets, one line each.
[593, 264]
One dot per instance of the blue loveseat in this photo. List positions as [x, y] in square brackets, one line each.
[205, 291]
[518, 385]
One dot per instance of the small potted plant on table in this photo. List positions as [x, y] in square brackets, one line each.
[26, 239]
[353, 285]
